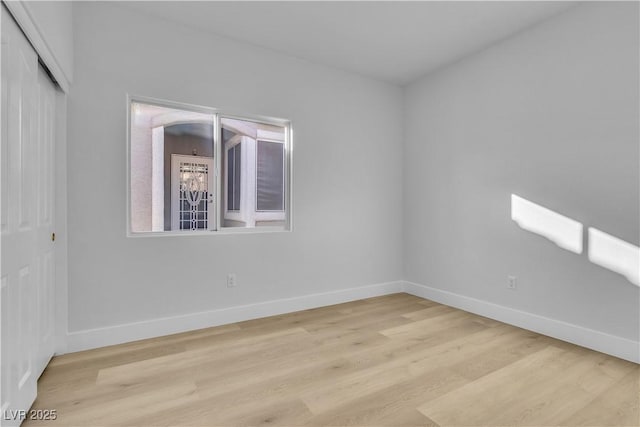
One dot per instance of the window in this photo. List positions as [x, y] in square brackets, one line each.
[255, 172]
[197, 170]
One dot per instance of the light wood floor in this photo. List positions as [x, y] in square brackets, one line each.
[396, 360]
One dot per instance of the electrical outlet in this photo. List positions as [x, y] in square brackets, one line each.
[231, 280]
[512, 282]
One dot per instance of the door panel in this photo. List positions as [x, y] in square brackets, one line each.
[46, 137]
[25, 326]
[23, 139]
[192, 186]
[44, 190]
[18, 236]
[5, 378]
[27, 252]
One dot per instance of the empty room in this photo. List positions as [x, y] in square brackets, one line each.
[320, 213]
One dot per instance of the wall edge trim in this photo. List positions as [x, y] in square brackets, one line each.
[27, 24]
[613, 345]
[152, 328]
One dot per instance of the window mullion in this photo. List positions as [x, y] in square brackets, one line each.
[218, 153]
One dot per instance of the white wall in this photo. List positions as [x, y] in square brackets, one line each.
[551, 115]
[347, 176]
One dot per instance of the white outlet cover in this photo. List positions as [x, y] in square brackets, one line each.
[231, 280]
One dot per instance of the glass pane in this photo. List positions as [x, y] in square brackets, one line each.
[230, 166]
[234, 170]
[157, 135]
[270, 176]
[237, 180]
[255, 172]
[194, 191]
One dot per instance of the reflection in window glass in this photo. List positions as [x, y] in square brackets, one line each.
[193, 169]
[270, 176]
[171, 156]
[234, 177]
[255, 175]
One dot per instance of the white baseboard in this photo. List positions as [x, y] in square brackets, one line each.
[111, 335]
[118, 334]
[595, 340]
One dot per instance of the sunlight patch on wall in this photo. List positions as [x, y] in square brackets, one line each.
[615, 254]
[561, 230]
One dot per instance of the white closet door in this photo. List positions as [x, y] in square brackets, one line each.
[26, 223]
[45, 191]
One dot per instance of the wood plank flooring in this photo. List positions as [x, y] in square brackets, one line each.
[396, 360]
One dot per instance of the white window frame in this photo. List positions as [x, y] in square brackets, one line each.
[219, 215]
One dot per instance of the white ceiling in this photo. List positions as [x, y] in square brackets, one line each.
[391, 41]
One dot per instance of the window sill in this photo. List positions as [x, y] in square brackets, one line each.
[222, 231]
